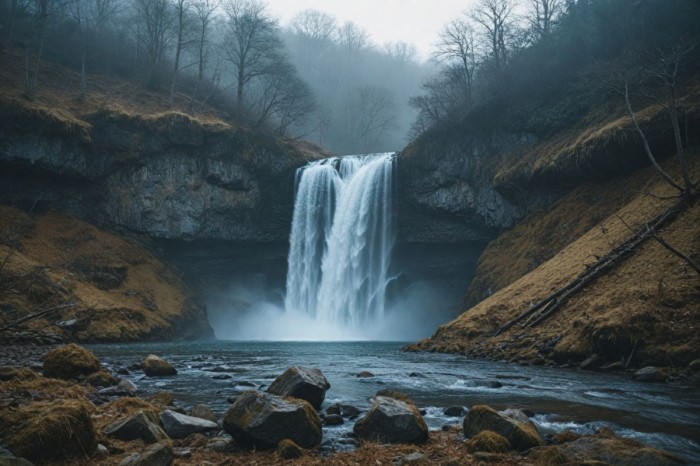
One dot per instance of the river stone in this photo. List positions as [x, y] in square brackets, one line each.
[392, 420]
[158, 454]
[70, 361]
[618, 452]
[127, 385]
[203, 411]
[178, 425]
[521, 435]
[333, 420]
[301, 382]
[364, 375]
[262, 420]
[413, 458]
[101, 378]
[453, 411]
[153, 366]
[288, 450]
[136, 426]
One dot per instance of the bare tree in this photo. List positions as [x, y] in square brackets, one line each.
[42, 11]
[402, 52]
[182, 8]
[661, 77]
[155, 21]
[314, 24]
[204, 13]
[496, 20]
[369, 114]
[542, 17]
[90, 17]
[353, 37]
[251, 42]
[457, 48]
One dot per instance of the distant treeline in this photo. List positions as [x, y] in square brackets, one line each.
[315, 78]
[536, 65]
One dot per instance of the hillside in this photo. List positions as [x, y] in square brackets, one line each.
[644, 310]
[96, 286]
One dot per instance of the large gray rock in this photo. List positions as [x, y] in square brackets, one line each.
[203, 411]
[136, 426]
[392, 420]
[521, 433]
[158, 454]
[178, 425]
[154, 366]
[263, 420]
[301, 382]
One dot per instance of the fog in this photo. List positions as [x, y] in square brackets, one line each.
[250, 310]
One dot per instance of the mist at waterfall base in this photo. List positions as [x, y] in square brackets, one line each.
[339, 281]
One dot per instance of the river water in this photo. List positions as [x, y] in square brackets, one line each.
[661, 415]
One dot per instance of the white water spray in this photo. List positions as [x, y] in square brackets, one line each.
[341, 241]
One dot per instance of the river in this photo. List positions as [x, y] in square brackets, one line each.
[662, 415]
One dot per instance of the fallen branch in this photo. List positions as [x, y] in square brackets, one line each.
[549, 305]
[33, 316]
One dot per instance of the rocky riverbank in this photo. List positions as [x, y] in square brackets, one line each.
[87, 415]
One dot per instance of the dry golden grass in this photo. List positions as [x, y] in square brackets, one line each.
[650, 298]
[55, 253]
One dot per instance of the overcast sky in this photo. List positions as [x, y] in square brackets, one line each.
[415, 21]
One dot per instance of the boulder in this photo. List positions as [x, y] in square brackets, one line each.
[50, 431]
[158, 454]
[333, 420]
[178, 425]
[203, 411]
[454, 411]
[392, 420]
[70, 362]
[101, 378]
[127, 386]
[617, 452]
[263, 420]
[8, 459]
[364, 375]
[301, 382]
[487, 441]
[343, 410]
[136, 426]
[521, 435]
[288, 450]
[153, 366]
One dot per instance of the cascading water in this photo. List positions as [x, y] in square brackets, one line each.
[342, 238]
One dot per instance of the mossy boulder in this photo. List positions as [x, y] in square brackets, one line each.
[288, 450]
[488, 441]
[305, 383]
[154, 366]
[262, 420]
[101, 378]
[70, 362]
[46, 431]
[521, 435]
[392, 420]
[17, 373]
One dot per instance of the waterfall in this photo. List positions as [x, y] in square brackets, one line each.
[341, 240]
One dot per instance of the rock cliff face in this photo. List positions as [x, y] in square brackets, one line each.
[446, 187]
[167, 176]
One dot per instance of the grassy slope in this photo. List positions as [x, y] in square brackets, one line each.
[116, 290]
[651, 298]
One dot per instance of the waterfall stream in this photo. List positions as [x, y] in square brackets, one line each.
[341, 240]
